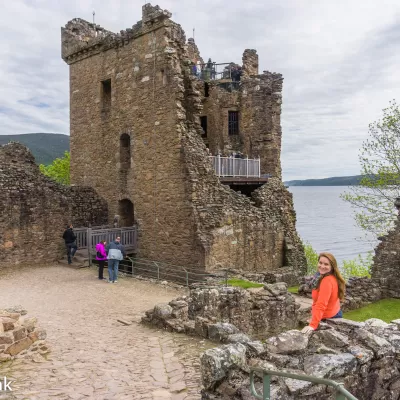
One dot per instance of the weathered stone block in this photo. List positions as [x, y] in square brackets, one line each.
[17, 347]
[215, 363]
[29, 323]
[220, 331]
[6, 338]
[8, 323]
[330, 366]
[288, 342]
[19, 333]
[163, 311]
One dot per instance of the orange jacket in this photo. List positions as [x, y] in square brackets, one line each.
[326, 302]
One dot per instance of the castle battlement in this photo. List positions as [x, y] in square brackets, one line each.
[81, 39]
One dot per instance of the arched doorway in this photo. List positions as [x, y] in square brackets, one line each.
[126, 212]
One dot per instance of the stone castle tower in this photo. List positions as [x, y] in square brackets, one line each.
[141, 123]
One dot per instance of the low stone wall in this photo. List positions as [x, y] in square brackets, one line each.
[20, 337]
[359, 292]
[363, 356]
[258, 312]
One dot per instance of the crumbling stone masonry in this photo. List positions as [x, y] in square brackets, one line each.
[386, 266]
[209, 312]
[35, 210]
[136, 138]
[363, 356]
[20, 337]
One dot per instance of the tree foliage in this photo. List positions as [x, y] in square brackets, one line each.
[58, 170]
[358, 267]
[380, 166]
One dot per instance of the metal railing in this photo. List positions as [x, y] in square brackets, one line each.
[340, 391]
[87, 238]
[231, 166]
[216, 72]
[141, 267]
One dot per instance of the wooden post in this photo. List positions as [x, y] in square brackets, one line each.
[89, 241]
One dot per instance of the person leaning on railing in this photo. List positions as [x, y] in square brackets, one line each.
[328, 289]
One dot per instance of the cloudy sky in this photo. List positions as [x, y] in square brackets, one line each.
[340, 60]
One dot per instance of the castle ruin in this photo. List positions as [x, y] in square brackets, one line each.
[145, 128]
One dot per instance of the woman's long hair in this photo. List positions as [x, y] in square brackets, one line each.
[336, 273]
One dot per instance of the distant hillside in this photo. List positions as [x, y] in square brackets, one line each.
[44, 146]
[335, 181]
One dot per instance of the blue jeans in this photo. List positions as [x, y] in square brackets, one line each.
[338, 315]
[71, 250]
[113, 270]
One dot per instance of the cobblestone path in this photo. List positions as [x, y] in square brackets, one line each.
[94, 356]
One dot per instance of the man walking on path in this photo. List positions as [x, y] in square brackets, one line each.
[70, 244]
[116, 253]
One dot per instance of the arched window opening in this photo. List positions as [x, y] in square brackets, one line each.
[125, 212]
[125, 151]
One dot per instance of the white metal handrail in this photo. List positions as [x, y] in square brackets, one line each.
[231, 166]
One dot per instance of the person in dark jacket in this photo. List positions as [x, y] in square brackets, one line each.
[101, 257]
[115, 253]
[70, 242]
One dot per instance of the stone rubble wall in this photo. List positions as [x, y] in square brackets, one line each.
[359, 292]
[210, 312]
[20, 337]
[34, 210]
[363, 356]
[386, 265]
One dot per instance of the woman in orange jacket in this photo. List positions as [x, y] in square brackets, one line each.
[328, 290]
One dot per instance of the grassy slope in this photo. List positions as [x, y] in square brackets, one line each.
[386, 310]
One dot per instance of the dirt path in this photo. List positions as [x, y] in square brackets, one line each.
[94, 356]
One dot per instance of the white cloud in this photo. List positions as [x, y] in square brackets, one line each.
[339, 60]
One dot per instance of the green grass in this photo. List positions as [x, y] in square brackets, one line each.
[386, 310]
[293, 289]
[243, 283]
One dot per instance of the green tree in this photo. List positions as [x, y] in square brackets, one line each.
[58, 170]
[380, 166]
[311, 257]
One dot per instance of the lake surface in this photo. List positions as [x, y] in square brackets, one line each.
[327, 222]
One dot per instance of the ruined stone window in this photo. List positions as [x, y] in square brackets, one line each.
[203, 123]
[125, 152]
[206, 89]
[126, 212]
[106, 94]
[233, 123]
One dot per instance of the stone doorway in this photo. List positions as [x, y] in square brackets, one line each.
[126, 212]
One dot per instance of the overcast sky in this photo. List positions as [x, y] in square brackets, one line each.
[340, 61]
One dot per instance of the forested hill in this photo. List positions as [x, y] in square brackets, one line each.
[44, 146]
[335, 181]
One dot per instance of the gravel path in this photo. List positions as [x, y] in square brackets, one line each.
[94, 356]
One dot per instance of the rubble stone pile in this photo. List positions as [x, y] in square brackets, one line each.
[362, 356]
[20, 337]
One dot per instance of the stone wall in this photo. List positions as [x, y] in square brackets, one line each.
[19, 336]
[258, 101]
[35, 210]
[136, 139]
[209, 312]
[386, 266]
[363, 356]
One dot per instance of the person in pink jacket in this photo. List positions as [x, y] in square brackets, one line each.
[101, 257]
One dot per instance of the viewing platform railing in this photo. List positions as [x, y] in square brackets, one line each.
[231, 166]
